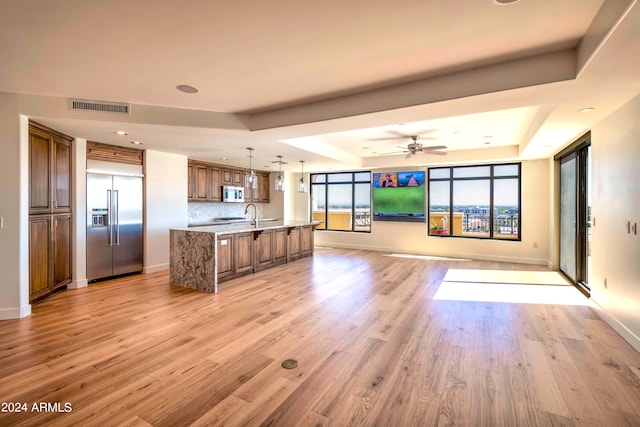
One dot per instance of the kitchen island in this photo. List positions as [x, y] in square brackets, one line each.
[203, 257]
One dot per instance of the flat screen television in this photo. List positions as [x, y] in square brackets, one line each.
[398, 196]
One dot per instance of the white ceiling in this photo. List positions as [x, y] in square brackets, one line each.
[321, 82]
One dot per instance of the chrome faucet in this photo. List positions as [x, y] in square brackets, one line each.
[255, 212]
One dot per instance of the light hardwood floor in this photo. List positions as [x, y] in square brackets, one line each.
[374, 349]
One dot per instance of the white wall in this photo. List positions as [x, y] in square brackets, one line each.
[79, 235]
[14, 210]
[615, 149]
[165, 186]
[412, 237]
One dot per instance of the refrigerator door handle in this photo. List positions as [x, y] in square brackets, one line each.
[110, 234]
[116, 209]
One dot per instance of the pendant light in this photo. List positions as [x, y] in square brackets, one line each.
[302, 187]
[250, 178]
[279, 184]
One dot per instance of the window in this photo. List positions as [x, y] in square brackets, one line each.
[475, 201]
[342, 201]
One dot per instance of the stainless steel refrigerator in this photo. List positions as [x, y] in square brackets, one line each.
[114, 225]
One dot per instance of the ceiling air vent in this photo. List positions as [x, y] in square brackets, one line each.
[103, 106]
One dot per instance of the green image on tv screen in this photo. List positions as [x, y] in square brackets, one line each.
[401, 199]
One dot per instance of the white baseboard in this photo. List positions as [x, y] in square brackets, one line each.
[15, 313]
[617, 326]
[155, 268]
[519, 260]
[77, 284]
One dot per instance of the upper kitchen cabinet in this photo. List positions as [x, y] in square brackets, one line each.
[204, 182]
[49, 170]
[232, 177]
[261, 192]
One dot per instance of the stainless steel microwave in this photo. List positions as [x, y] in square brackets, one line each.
[232, 194]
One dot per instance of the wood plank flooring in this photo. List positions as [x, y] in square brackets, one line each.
[375, 348]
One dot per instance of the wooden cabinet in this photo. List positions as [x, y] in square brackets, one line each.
[244, 252]
[306, 240]
[294, 244]
[261, 192]
[264, 249]
[300, 242]
[206, 181]
[49, 172]
[279, 245]
[235, 255]
[203, 183]
[215, 188]
[225, 256]
[50, 210]
[49, 254]
[263, 187]
[232, 177]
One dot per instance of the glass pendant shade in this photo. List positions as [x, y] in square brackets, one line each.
[302, 187]
[279, 183]
[250, 178]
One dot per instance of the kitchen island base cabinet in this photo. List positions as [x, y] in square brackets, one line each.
[270, 248]
[300, 242]
[235, 255]
[239, 250]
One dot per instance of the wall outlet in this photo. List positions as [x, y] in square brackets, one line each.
[604, 282]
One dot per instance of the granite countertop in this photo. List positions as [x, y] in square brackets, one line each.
[229, 228]
[215, 221]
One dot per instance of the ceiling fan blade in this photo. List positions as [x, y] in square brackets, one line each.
[409, 154]
[389, 138]
[434, 147]
[437, 153]
[392, 153]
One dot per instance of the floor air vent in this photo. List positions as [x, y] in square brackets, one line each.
[105, 107]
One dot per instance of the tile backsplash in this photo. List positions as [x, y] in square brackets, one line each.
[200, 212]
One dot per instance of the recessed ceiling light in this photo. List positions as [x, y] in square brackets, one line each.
[503, 2]
[224, 158]
[365, 148]
[120, 132]
[187, 89]
[488, 136]
[487, 142]
[136, 142]
[586, 110]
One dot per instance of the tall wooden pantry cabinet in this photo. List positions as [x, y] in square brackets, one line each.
[50, 212]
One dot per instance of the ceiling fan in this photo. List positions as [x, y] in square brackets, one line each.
[415, 147]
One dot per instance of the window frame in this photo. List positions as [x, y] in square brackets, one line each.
[326, 183]
[491, 178]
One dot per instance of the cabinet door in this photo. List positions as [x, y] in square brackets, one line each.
[202, 182]
[244, 252]
[237, 177]
[264, 248]
[226, 177]
[215, 192]
[39, 256]
[39, 172]
[191, 176]
[306, 240]
[279, 244]
[263, 187]
[294, 243]
[61, 175]
[225, 255]
[61, 250]
[248, 191]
